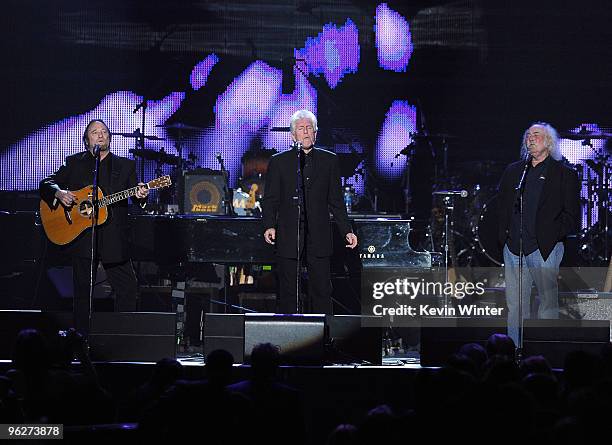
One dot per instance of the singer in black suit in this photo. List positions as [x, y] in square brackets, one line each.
[115, 174]
[319, 180]
[551, 213]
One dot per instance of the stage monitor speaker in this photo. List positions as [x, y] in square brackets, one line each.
[349, 342]
[300, 338]
[443, 337]
[224, 331]
[554, 339]
[203, 192]
[132, 336]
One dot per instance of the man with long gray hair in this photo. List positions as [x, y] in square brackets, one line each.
[318, 177]
[550, 213]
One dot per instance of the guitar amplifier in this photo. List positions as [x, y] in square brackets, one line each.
[202, 192]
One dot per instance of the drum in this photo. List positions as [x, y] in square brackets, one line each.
[487, 232]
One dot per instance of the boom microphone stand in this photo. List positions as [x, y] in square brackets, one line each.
[228, 207]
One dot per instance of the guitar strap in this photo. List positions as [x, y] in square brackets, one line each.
[110, 185]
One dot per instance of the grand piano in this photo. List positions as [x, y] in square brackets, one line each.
[182, 242]
[383, 242]
[184, 246]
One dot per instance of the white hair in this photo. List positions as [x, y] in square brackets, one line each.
[551, 141]
[303, 114]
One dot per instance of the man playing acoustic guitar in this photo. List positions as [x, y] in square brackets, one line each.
[115, 174]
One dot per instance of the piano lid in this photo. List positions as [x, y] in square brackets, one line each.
[385, 243]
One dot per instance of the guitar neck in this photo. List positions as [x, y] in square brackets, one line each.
[119, 196]
[157, 183]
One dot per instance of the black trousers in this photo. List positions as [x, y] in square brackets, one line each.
[122, 279]
[319, 284]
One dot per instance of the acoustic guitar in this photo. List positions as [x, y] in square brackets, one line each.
[63, 225]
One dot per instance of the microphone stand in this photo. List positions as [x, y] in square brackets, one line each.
[94, 233]
[520, 188]
[300, 196]
[228, 207]
[449, 208]
[449, 229]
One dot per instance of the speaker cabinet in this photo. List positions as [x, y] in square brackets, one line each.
[442, 338]
[224, 331]
[300, 338]
[554, 339]
[132, 336]
[114, 336]
[349, 342]
[203, 192]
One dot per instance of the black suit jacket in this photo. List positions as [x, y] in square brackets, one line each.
[112, 236]
[324, 194]
[558, 213]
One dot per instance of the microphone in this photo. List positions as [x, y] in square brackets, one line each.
[142, 104]
[96, 150]
[220, 161]
[461, 193]
[297, 144]
[521, 183]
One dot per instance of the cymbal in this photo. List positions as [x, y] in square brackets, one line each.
[585, 134]
[137, 134]
[179, 126]
[154, 155]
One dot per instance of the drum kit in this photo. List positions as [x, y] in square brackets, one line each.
[474, 225]
[165, 199]
[245, 199]
[462, 222]
[251, 185]
[596, 176]
[466, 193]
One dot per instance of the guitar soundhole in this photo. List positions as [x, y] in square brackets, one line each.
[85, 209]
